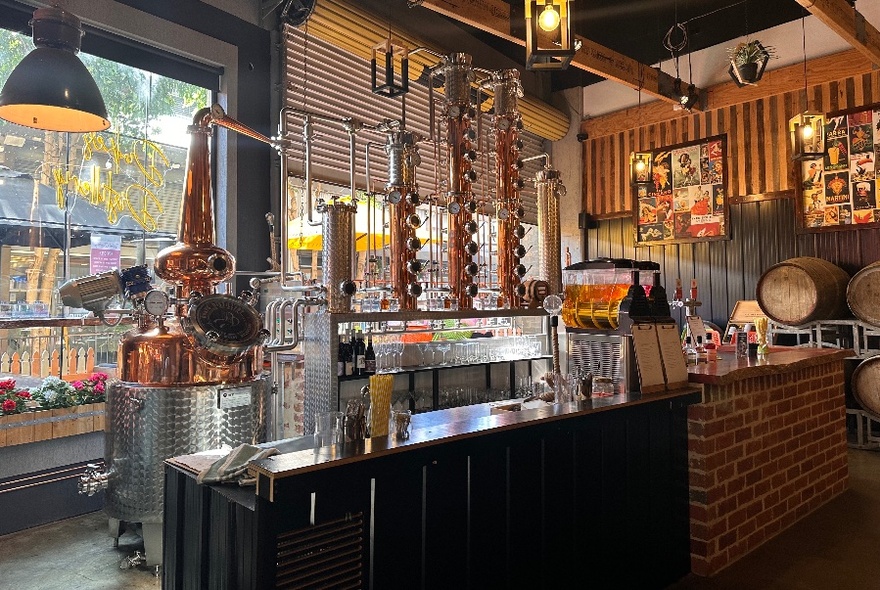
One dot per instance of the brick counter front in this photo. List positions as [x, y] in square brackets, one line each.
[766, 447]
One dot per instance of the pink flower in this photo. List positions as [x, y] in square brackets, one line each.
[9, 405]
[77, 384]
[7, 384]
[23, 394]
[99, 387]
[98, 376]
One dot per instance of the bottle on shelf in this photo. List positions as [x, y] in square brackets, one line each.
[694, 289]
[341, 356]
[567, 256]
[369, 357]
[701, 352]
[359, 350]
[679, 295]
[349, 354]
[690, 353]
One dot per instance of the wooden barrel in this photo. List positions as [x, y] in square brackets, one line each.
[863, 293]
[865, 385]
[801, 290]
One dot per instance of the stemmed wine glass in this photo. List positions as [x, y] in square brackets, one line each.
[443, 346]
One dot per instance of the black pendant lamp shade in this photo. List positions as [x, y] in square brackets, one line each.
[50, 88]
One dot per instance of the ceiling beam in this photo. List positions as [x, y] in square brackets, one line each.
[493, 16]
[849, 23]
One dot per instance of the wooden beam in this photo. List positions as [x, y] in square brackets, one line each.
[822, 70]
[847, 22]
[493, 16]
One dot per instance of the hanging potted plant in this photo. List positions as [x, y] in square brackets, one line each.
[748, 60]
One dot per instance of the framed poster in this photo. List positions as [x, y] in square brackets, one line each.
[839, 191]
[685, 198]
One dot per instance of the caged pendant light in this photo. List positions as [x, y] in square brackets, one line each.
[807, 129]
[50, 88]
[543, 19]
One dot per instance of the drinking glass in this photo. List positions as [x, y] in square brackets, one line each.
[328, 429]
[443, 346]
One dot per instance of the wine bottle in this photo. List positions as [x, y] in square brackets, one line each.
[349, 354]
[340, 357]
[370, 357]
[359, 350]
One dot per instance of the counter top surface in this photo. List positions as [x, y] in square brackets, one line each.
[442, 425]
[730, 369]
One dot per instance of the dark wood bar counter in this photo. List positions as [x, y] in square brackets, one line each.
[766, 447]
[593, 491]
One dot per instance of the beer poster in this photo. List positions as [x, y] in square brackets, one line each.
[685, 199]
[839, 190]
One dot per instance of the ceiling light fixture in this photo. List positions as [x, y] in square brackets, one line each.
[543, 51]
[807, 129]
[50, 88]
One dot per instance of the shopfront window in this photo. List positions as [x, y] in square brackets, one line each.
[73, 204]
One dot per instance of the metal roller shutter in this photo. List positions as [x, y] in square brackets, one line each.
[323, 79]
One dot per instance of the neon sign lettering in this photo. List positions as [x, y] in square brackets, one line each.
[102, 187]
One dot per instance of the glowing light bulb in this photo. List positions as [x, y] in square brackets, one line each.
[640, 165]
[549, 19]
[807, 131]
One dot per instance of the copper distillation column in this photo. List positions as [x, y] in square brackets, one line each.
[508, 205]
[403, 197]
[460, 201]
[549, 189]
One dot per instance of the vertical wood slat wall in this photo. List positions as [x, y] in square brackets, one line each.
[763, 232]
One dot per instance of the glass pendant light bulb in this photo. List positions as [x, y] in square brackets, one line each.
[640, 165]
[549, 18]
[807, 131]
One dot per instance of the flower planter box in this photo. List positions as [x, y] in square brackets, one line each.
[17, 429]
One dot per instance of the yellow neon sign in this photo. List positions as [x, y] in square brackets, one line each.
[102, 188]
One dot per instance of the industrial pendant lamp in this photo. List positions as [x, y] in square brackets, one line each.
[807, 129]
[50, 88]
[549, 42]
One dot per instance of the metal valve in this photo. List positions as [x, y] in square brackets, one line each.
[93, 480]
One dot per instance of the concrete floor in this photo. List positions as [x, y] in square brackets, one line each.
[835, 548]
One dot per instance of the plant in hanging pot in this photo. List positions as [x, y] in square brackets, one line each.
[748, 61]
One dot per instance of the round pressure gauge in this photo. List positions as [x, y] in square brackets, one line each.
[454, 207]
[503, 124]
[156, 303]
[454, 111]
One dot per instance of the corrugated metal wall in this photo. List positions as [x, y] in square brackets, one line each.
[763, 232]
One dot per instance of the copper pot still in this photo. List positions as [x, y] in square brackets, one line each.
[211, 338]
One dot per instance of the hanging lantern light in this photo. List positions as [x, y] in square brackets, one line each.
[549, 42]
[807, 132]
[640, 167]
[388, 51]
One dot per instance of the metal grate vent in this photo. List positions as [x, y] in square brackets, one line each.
[328, 555]
[599, 354]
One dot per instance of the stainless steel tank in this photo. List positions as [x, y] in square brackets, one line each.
[338, 226]
[147, 425]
